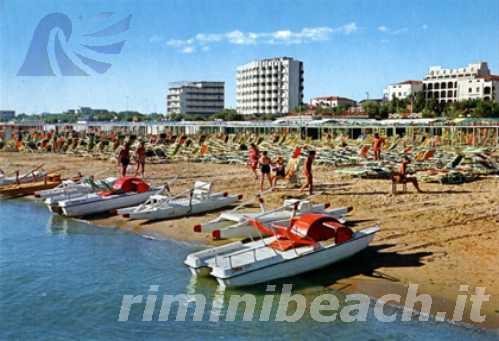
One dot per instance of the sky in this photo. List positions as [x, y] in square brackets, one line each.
[349, 48]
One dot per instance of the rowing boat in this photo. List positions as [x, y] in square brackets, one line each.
[29, 188]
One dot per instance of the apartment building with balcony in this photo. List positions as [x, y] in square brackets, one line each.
[195, 98]
[471, 82]
[269, 86]
[403, 89]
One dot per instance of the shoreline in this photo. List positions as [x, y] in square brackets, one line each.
[439, 239]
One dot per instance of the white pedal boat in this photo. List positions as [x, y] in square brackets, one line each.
[127, 191]
[197, 200]
[241, 264]
[70, 187]
[234, 224]
[71, 190]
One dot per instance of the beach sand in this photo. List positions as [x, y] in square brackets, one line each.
[439, 240]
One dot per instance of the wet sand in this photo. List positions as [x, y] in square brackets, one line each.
[439, 240]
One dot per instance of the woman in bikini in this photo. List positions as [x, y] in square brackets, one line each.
[264, 169]
[140, 157]
[253, 156]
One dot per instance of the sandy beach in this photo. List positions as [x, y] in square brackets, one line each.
[440, 239]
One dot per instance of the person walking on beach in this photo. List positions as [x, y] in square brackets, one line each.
[253, 156]
[401, 177]
[124, 158]
[308, 173]
[264, 169]
[377, 143]
[140, 158]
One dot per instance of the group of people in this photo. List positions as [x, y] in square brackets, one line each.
[261, 161]
[139, 156]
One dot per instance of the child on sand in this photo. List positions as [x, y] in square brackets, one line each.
[280, 171]
[307, 172]
[140, 157]
[264, 169]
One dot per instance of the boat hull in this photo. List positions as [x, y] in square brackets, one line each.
[296, 266]
[93, 204]
[177, 209]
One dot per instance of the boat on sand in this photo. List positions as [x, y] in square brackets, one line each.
[308, 242]
[127, 191]
[197, 200]
[235, 224]
[29, 188]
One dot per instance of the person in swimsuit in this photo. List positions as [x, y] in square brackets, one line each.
[307, 172]
[124, 158]
[253, 156]
[401, 177]
[280, 171]
[140, 156]
[377, 143]
[264, 169]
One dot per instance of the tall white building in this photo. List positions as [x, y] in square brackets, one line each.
[269, 86]
[195, 98]
[403, 90]
[451, 85]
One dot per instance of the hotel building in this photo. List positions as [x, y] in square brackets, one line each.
[269, 86]
[195, 98]
[403, 90]
[451, 85]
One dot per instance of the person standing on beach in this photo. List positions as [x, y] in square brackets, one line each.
[253, 156]
[377, 143]
[124, 158]
[308, 173]
[140, 158]
[265, 170]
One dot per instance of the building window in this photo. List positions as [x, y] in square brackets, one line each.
[469, 90]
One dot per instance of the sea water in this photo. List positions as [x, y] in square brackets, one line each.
[65, 279]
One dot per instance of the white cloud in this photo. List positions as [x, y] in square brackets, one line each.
[348, 28]
[188, 49]
[155, 39]
[388, 30]
[283, 37]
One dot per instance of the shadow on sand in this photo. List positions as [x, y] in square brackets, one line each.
[367, 263]
[364, 263]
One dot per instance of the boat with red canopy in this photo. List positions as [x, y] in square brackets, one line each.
[308, 242]
[126, 191]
